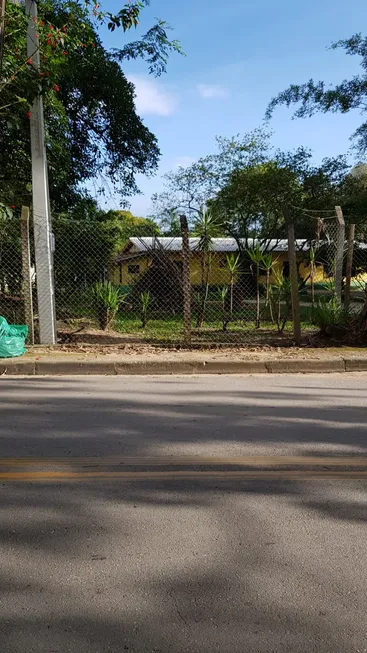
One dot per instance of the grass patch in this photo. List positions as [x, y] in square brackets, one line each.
[170, 329]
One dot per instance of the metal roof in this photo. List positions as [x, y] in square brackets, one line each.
[218, 244]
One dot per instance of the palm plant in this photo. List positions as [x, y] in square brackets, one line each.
[256, 257]
[280, 294]
[144, 306]
[268, 263]
[312, 273]
[223, 292]
[206, 227]
[106, 299]
[233, 265]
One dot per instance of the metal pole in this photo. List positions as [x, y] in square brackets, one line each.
[348, 273]
[26, 269]
[293, 273]
[186, 279]
[41, 208]
[339, 253]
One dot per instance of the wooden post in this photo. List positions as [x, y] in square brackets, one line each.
[339, 253]
[293, 273]
[186, 285]
[26, 269]
[348, 275]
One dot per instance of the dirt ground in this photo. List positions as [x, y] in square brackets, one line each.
[111, 343]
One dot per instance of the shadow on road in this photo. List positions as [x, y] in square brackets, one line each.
[172, 567]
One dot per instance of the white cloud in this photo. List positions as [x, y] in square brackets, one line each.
[151, 97]
[209, 91]
[183, 162]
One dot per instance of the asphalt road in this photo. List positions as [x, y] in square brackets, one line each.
[183, 565]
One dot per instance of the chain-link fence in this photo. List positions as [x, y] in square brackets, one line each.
[114, 290]
[355, 269]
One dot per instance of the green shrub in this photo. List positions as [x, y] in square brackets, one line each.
[280, 301]
[107, 299]
[332, 318]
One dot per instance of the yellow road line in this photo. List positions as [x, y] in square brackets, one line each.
[248, 461]
[47, 476]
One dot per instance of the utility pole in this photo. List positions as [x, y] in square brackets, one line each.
[40, 194]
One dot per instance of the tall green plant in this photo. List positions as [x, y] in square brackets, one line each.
[223, 292]
[280, 296]
[206, 227]
[107, 299]
[257, 258]
[233, 265]
[312, 273]
[145, 300]
[268, 264]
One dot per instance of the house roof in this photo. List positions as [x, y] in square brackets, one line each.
[218, 244]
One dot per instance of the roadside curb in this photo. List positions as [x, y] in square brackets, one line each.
[51, 367]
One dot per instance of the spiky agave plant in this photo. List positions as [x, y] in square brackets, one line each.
[256, 257]
[107, 299]
[233, 265]
[207, 226]
[145, 300]
[223, 292]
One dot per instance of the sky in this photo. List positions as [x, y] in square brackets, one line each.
[239, 54]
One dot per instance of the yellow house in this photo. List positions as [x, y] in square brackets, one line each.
[138, 254]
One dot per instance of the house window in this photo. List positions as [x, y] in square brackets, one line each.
[133, 269]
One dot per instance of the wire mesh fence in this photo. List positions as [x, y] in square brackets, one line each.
[109, 290]
[358, 271]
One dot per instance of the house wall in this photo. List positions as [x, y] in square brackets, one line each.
[219, 274]
[122, 276]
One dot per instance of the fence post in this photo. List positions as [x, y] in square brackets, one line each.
[186, 286]
[293, 273]
[348, 275]
[43, 245]
[339, 253]
[26, 270]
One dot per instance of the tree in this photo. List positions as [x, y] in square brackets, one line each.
[170, 223]
[317, 96]
[130, 225]
[251, 202]
[92, 129]
[189, 188]
[10, 253]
